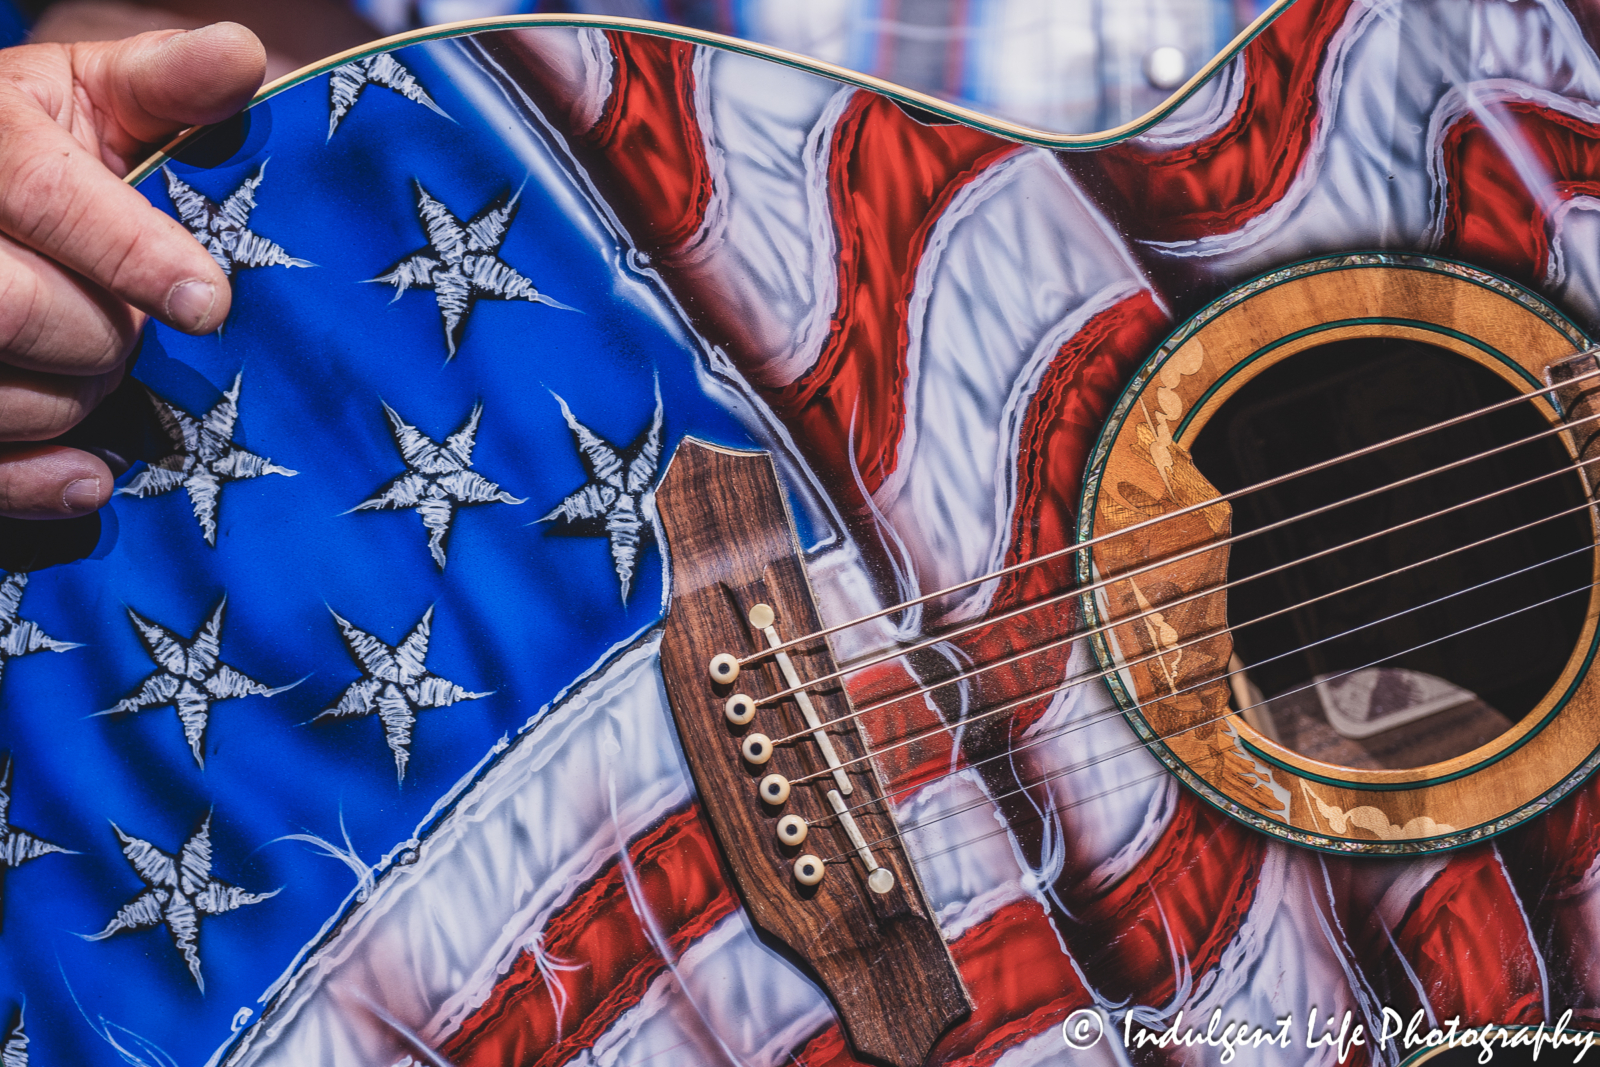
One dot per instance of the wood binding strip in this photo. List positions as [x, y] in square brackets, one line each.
[880, 957]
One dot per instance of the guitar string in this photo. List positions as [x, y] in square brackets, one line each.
[900, 832]
[1085, 679]
[1187, 509]
[1038, 814]
[1205, 592]
[1114, 713]
[896, 651]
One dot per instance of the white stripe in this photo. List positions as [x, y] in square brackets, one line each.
[434, 937]
[1572, 277]
[1234, 982]
[1049, 1047]
[1211, 108]
[1115, 804]
[1365, 180]
[1280, 966]
[709, 234]
[597, 67]
[764, 255]
[732, 997]
[1016, 265]
[1410, 878]
[953, 832]
[962, 851]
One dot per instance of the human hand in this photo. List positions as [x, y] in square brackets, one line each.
[83, 257]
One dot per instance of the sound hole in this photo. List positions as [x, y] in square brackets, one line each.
[1387, 655]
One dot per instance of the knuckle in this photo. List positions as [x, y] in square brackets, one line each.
[19, 311]
[124, 266]
[37, 201]
[49, 203]
[59, 327]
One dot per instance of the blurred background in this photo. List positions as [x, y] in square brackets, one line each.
[1068, 66]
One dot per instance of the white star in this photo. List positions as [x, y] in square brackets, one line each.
[178, 891]
[437, 478]
[394, 684]
[618, 500]
[208, 460]
[15, 1052]
[346, 82]
[461, 263]
[190, 677]
[222, 230]
[16, 846]
[18, 637]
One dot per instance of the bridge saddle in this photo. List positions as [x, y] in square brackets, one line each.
[862, 924]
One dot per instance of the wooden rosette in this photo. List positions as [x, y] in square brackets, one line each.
[1178, 702]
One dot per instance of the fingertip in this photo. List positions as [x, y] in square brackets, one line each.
[197, 305]
[192, 77]
[52, 482]
[83, 495]
[230, 58]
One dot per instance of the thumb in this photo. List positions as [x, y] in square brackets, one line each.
[157, 83]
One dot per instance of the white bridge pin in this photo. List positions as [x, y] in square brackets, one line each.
[740, 709]
[808, 869]
[774, 789]
[761, 616]
[757, 749]
[724, 668]
[792, 829]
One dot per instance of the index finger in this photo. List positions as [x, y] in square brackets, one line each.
[61, 201]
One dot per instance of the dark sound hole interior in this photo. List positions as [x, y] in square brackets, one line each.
[1405, 670]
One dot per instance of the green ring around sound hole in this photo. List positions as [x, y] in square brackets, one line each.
[1090, 492]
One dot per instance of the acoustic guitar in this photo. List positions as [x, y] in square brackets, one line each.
[681, 554]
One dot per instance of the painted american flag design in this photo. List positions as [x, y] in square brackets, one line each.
[926, 323]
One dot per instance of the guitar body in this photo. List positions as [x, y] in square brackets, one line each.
[352, 736]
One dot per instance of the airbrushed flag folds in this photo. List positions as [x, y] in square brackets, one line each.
[349, 744]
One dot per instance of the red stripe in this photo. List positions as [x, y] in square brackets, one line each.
[890, 178]
[1219, 183]
[1059, 429]
[1192, 892]
[1021, 986]
[1467, 942]
[647, 139]
[680, 877]
[1490, 216]
[1021, 981]
[1560, 846]
[912, 766]
[1462, 944]
[1012, 963]
[1187, 898]
[1548, 858]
